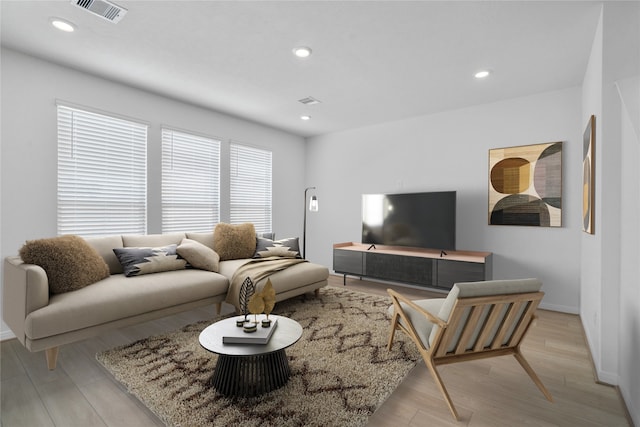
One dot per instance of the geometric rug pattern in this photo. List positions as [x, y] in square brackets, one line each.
[341, 371]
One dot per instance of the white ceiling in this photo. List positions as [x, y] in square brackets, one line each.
[372, 61]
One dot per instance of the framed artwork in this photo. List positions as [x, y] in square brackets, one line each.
[588, 182]
[525, 185]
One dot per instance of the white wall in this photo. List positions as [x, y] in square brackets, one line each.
[610, 300]
[30, 88]
[449, 151]
[629, 331]
[591, 265]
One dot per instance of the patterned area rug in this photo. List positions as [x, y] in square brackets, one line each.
[341, 369]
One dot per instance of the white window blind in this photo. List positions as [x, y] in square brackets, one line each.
[190, 182]
[250, 187]
[102, 174]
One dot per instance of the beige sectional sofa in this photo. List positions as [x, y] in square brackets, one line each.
[44, 321]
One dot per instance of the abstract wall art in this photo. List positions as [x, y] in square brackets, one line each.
[588, 183]
[525, 185]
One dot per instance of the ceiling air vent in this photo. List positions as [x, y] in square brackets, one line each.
[103, 8]
[309, 100]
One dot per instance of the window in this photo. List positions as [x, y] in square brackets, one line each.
[190, 182]
[102, 174]
[250, 187]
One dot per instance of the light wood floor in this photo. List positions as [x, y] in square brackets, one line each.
[493, 392]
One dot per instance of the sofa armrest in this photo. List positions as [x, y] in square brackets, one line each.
[25, 289]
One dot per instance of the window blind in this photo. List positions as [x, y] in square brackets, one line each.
[250, 198]
[190, 182]
[102, 174]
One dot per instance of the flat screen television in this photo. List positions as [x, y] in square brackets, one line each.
[420, 220]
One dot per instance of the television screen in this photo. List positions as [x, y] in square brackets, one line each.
[421, 220]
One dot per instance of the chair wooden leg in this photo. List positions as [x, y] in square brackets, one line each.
[443, 390]
[523, 362]
[317, 292]
[52, 357]
[392, 331]
[218, 308]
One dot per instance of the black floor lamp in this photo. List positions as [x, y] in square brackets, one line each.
[313, 207]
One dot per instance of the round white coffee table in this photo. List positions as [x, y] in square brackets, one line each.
[250, 369]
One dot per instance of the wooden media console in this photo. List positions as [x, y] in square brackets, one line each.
[414, 266]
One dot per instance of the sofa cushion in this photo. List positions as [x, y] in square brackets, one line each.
[105, 246]
[283, 248]
[204, 238]
[118, 297]
[229, 267]
[152, 240]
[198, 255]
[294, 280]
[234, 241]
[69, 261]
[139, 261]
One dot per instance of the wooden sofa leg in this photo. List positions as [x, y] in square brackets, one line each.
[218, 308]
[52, 357]
[317, 292]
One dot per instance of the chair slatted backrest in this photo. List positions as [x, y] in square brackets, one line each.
[476, 320]
[486, 324]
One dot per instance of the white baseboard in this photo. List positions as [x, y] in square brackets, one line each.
[632, 406]
[560, 308]
[6, 335]
[609, 378]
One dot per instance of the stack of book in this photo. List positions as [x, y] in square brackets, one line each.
[236, 334]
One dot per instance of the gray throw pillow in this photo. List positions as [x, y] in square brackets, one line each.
[282, 248]
[139, 261]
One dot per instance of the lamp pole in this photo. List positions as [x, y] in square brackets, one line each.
[304, 229]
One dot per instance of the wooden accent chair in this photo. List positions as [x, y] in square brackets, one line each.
[476, 320]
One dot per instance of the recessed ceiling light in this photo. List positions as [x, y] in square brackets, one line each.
[63, 25]
[305, 117]
[482, 74]
[302, 51]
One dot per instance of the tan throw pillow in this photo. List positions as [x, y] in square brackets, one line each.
[233, 241]
[198, 255]
[69, 261]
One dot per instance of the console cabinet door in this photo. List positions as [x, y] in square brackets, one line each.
[348, 262]
[450, 272]
[413, 270]
[439, 273]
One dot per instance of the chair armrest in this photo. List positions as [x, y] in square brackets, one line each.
[25, 289]
[396, 298]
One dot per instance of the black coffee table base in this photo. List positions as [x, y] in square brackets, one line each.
[247, 376]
